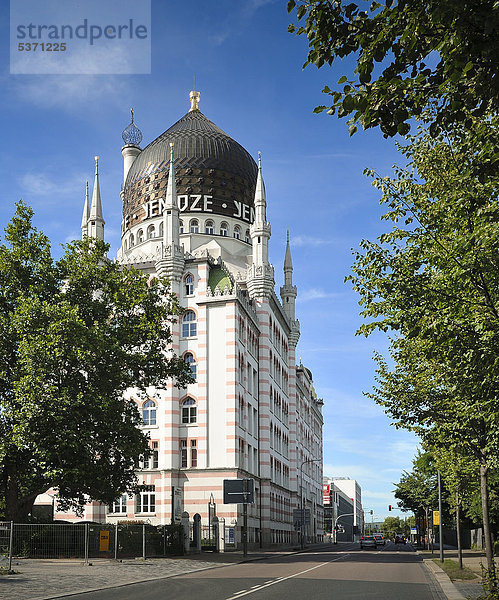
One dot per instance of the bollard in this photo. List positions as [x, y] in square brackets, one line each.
[185, 524]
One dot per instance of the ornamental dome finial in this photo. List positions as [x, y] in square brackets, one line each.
[132, 134]
[194, 97]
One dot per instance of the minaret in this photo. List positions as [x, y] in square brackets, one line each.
[95, 220]
[86, 215]
[261, 272]
[288, 295]
[172, 262]
[132, 136]
[288, 290]
[171, 213]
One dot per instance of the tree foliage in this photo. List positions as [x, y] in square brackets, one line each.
[410, 55]
[76, 335]
[433, 282]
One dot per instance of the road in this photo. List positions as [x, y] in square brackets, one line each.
[346, 573]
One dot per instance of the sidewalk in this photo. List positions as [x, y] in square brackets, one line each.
[48, 579]
[458, 590]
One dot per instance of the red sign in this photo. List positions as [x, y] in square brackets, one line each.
[326, 493]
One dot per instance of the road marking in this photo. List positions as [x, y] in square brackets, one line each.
[281, 579]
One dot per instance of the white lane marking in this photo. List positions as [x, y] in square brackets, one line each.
[264, 585]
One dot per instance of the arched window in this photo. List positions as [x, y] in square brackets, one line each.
[181, 226]
[149, 413]
[237, 232]
[140, 236]
[247, 238]
[124, 244]
[189, 285]
[194, 226]
[224, 229]
[191, 361]
[151, 232]
[189, 324]
[209, 227]
[189, 411]
[132, 241]
[161, 230]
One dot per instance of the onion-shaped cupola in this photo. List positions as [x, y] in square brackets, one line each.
[131, 134]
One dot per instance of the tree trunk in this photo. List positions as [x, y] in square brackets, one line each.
[458, 531]
[484, 490]
[17, 507]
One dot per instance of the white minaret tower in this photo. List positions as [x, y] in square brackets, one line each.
[96, 222]
[86, 215]
[261, 272]
[132, 136]
[172, 262]
[288, 295]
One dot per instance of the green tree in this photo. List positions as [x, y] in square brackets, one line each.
[433, 280]
[409, 54]
[76, 335]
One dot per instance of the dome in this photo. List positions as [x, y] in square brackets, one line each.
[214, 174]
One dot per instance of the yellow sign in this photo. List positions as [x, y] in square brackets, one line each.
[104, 541]
[436, 517]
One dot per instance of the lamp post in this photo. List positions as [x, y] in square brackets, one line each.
[302, 507]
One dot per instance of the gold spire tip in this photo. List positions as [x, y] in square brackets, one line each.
[194, 97]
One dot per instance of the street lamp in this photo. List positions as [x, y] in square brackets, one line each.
[302, 507]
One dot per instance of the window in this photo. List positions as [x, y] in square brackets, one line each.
[140, 236]
[191, 361]
[154, 458]
[224, 229]
[181, 227]
[194, 453]
[189, 285]
[189, 411]
[151, 232]
[183, 454]
[209, 227]
[189, 325]
[132, 241]
[237, 232]
[149, 413]
[194, 226]
[161, 230]
[247, 238]
[145, 500]
[119, 505]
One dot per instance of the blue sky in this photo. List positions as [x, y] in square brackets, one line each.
[248, 69]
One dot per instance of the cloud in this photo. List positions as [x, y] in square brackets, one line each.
[43, 185]
[315, 294]
[379, 495]
[308, 240]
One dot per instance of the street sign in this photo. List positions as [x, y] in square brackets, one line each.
[239, 491]
[414, 529]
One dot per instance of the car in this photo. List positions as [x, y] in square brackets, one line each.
[368, 541]
[400, 539]
[380, 538]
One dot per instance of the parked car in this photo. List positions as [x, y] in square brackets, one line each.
[380, 538]
[368, 541]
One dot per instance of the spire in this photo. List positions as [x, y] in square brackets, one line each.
[131, 134]
[288, 290]
[96, 220]
[194, 97]
[260, 202]
[86, 214]
[170, 214]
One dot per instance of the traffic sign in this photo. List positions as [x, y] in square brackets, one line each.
[239, 491]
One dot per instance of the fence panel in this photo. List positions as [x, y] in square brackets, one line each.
[48, 540]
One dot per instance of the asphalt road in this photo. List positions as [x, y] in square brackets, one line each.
[387, 573]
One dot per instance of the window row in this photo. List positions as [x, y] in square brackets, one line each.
[150, 233]
[248, 336]
[145, 501]
[189, 411]
[280, 508]
[195, 226]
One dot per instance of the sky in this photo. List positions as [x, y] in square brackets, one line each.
[248, 69]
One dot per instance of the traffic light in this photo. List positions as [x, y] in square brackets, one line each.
[389, 507]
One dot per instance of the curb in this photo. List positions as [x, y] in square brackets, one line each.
[448, 588]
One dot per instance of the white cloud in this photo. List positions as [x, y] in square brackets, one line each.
[379, 495]
[308, 240]
[52, 187]
[315, 294]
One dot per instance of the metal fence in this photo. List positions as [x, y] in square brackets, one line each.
[89, 540]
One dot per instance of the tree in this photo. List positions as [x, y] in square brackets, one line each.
[433, 280]
[410, 55]
[76, 335]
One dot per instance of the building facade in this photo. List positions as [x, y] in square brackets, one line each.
[194, 211]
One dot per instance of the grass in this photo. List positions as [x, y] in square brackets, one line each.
[451, 567]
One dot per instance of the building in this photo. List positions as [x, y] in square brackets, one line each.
[343, 496]
[194, 211]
